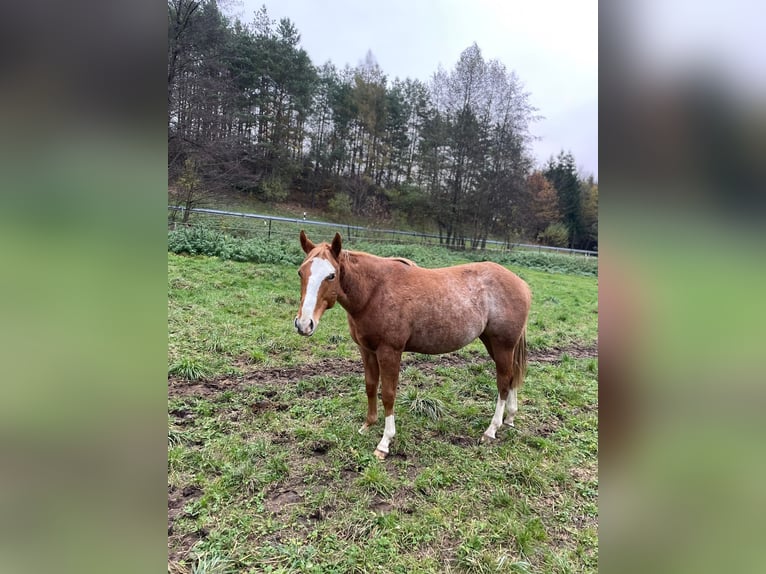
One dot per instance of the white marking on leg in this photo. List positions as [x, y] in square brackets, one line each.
[511, 408]
[320, 269]
[388, 434]
[497, 419]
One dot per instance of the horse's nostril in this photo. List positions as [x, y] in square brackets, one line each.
[311, 324]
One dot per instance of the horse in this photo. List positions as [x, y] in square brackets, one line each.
[393, 305]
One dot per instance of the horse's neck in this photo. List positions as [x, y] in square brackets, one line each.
[359, 279]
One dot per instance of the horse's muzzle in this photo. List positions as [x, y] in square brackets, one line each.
[306, 333]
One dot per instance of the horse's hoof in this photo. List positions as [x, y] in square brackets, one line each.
[380, 455]
[487, 438]
[510, 424]
[365, 427]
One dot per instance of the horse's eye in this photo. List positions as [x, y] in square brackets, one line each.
[299, 273]
[331, 276]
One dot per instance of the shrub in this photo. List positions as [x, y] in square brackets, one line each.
[273, 189]
[340, 204]
[196, 241]
[205, 241]
[555, 235]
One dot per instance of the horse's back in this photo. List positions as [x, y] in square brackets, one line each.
[446, 308]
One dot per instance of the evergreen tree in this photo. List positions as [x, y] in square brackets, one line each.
[562, 173]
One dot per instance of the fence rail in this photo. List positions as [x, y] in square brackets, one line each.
[369, 233]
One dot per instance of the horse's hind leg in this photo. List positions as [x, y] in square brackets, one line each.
[503, 362]
[511, 407]
[518, 370]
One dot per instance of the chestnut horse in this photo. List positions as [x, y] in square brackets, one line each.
[394, 306]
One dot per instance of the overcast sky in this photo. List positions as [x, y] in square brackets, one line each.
[551, 44]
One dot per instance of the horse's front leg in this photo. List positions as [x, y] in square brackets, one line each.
[371, 378]
[388, 362]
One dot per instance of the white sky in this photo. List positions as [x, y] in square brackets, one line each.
[551, 44]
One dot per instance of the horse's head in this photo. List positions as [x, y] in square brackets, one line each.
[319, 274]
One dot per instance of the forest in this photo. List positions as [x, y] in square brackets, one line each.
[250, 113]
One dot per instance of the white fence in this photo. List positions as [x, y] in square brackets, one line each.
[356, 232]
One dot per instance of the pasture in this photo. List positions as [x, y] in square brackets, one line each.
[267, 473]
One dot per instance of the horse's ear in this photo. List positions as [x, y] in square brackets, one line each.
[306, 243]
[336, 245]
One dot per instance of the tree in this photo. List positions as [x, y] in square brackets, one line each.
[369, 96]
[189, 191]
[562, 173]
[590, 213]
[543, 204]
[486, 157]
[180, 14]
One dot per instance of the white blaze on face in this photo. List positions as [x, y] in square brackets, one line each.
[320, 269]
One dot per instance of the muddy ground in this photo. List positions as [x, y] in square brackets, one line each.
[178, 387]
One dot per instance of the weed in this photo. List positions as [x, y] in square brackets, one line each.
[502, 499]
[433, 478]
[375, 480]
[212, 564]
[216, 344]
[527, 533]
[525, 472]
[175, 438]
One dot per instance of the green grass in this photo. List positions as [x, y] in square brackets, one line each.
[279, 480]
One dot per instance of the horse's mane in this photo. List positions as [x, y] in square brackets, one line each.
[403, 260]
[362, 254]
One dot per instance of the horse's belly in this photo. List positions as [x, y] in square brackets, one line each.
[443, 340]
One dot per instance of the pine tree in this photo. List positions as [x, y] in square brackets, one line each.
[562, 173]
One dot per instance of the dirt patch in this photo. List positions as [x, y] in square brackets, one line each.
[381, 506]
[347, 474]
[462, 441]
[321, 513]
[178, 387]
[178, 498]
[545, 429]
[320, 447]
[583, 474]
[555, 354]
[280, 500]
[183, 416]
[267, 405]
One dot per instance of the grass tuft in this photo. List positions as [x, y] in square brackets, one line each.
[425, 406]
[190, 369]
[375, 479]
[212, 564]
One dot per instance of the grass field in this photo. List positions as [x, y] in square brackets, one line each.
[267, 473]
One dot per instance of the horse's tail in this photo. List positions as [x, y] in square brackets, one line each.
[519, 366]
